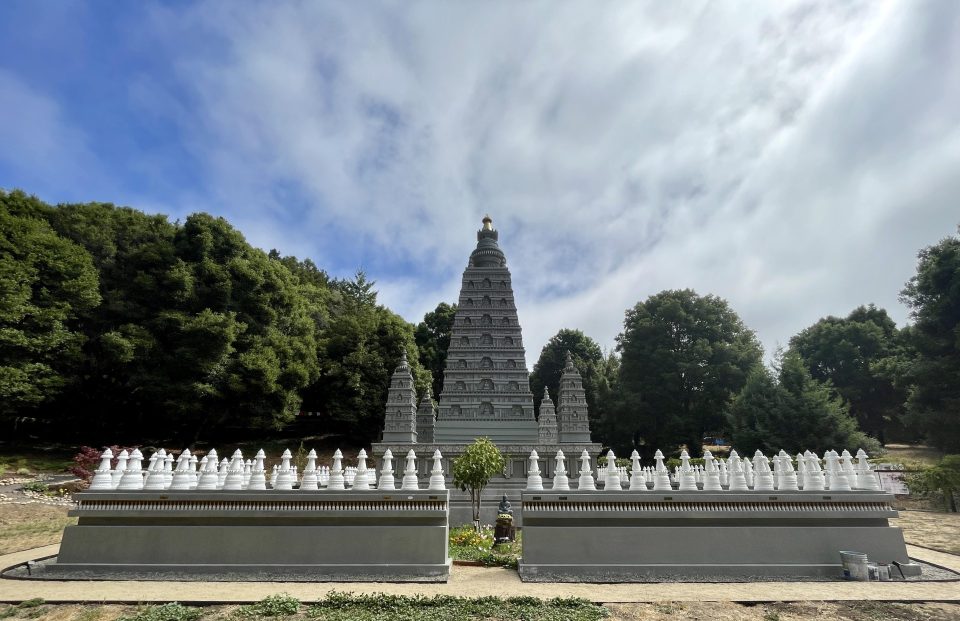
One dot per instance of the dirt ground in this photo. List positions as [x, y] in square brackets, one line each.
[707, 611]
[729, 611]
[30, 526]
[938, 531]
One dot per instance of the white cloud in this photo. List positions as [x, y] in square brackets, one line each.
[790, 157]
[42, 152]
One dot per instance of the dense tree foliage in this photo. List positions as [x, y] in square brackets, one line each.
[861, 356]
[124, 324]
[433, 338]
[590, 362]
[197, 329]
[47, 283]
[358, 352]
[684, 358]
[792, 411]
[933, 296]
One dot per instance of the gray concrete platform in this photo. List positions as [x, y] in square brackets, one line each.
[641, 536]
[257, 535]
[479, 582]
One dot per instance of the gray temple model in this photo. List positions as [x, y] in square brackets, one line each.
[486, 390]
[486, 387]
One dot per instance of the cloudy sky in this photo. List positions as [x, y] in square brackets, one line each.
[790, 157]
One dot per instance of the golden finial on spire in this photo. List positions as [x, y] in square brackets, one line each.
[487, 223]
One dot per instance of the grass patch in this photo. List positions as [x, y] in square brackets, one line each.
[912, 456]
[165, 612]
[30, 526]
[468, 545]
[41, 462]
[380, 607]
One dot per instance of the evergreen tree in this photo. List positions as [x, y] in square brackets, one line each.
[587, 357]
[933, 296]
[793, 412]
[358, 352]
[860, 356]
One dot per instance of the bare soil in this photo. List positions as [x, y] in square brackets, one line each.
[25, 526]
[706, 611]
[937, 531]
[730, 611]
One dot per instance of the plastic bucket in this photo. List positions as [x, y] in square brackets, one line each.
[883, 572]
[855, 566]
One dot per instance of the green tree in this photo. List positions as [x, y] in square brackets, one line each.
[473, 469]
[358, 353]
[683, 359]
[197, 330]
[793, 412]
[610, 404]
[433, 339]
[47, 284]
[860, 355]
[587, 357]
[943, 479]
[933, 295]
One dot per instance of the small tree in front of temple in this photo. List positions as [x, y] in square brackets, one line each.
[472, 471]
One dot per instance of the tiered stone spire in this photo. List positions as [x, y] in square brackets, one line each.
[426, 418]
[400, 421]
[547, 423]
[486, 386]
[574, 426]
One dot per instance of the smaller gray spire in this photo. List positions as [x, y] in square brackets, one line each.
[426, 418]
[547, 430]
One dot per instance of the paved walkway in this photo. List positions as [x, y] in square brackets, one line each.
[476, 582]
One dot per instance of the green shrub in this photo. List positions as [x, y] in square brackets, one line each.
[279, 605]
[165, 612]
[381, 607]
[942, 480]
[36, 486]
[674, 462]
[466, 544]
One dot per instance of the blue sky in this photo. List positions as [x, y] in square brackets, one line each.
[791, 157]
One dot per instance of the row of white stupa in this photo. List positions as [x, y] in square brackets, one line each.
[839, 473]
[236, 474]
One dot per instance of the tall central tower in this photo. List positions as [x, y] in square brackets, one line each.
[486, 386]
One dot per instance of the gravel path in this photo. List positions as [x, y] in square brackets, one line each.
[477, 582]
